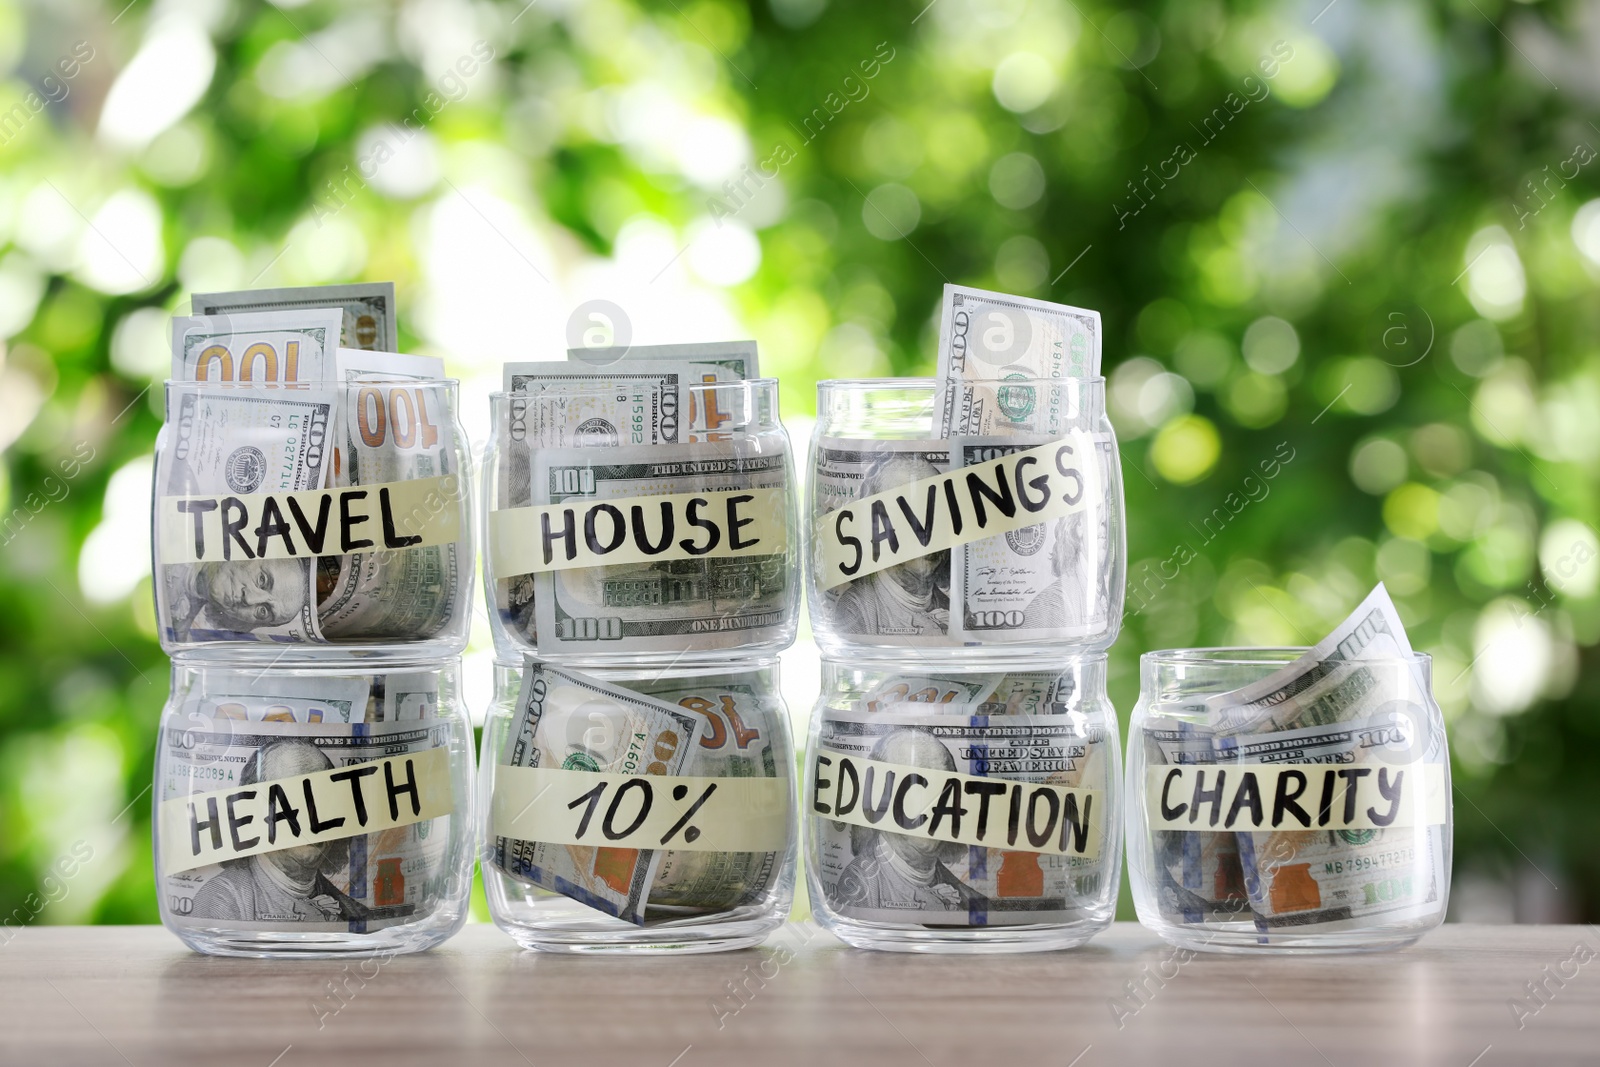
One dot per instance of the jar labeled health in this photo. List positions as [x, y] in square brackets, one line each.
[1276, 803]
[977, 516]
[638, 809]
[313, 810]
[964, 810]
[630, 525]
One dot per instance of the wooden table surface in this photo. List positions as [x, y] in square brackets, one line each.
[134, 995]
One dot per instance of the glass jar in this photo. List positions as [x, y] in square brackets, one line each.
[628, 525]
[313, 515]
[1307, 814]
[961, 810]
[583, 769]
[1023, 548]
[314, 810]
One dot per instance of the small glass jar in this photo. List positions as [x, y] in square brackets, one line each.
[631, 525]
[632, 757]
[899, 559]
[314, 810]
[961, 810]
[1308, 812]
[329, 517]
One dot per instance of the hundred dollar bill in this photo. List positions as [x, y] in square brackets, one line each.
[408, 697]
[738, 357]
[366, 310]
[879, 876]
[909, 603]
[389, 432]
[245, 439]
[1353, 699]
[265, 346]
[253, 696]
[570, 720]
[1042, 583]
[683, 416]
[986, 337]
[357, 884]
[715, 601]
[745, 723]
[1014, 693]
[1363, 714]
[1372, 631]
[1197, 877]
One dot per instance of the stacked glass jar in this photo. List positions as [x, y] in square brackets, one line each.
[313, 559]
[641, 570]
[963, 770]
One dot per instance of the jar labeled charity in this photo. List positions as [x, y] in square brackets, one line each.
[312, 810]
[1279, 801]
[307, 516]
[972, 516]
[638, 809]
[635, 522]
[961, 810]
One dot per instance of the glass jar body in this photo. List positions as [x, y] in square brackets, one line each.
[263, 781]
[573, 897]
[980, 809]
[332, 519]
[893, 562]
[654, 541]
[1320, 822]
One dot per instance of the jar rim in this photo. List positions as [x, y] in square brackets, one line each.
[1257, 655]
[931, 382]
[763, 384]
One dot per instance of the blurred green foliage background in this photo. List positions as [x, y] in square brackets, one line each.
[1347, 255]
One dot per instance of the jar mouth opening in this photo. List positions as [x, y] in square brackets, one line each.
[1249, 656]
[930, 383]
[579, 385]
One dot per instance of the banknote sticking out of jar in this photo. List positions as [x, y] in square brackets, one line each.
[640, 511]
[960, 810]
[1291, 799]
[638, 809]
[308, 810]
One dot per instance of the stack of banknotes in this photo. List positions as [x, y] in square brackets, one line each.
[239, 728]
[1357, 703]
[634, 403]
[1011, 374]
[347, 420]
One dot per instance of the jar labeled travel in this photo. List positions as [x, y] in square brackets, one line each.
[634, 809]
[314, 810]
[964, 810]
[971, 515]
[634, 519]
[312, 513]
[1285, 800]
